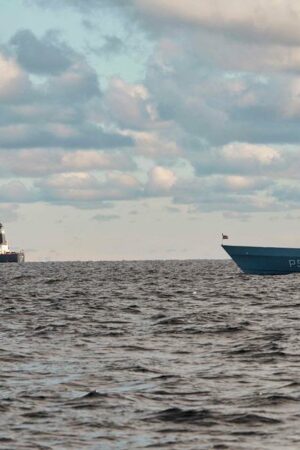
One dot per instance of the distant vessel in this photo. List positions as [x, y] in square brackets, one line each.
[6, 255]
[264, 260]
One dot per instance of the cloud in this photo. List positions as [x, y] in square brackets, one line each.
[38, 162]
[212, 124]
[241, 217]
[41, 56]
[128, 104]
[220, 107]
[13, 80]
[262, 155]
[86, 6]
[92, 160]
[16, 192]
[250, 19]
[105, 217]
[240, 158]
[9, 212]
[84, 188]
[112, 45]
[77, 83]
[55, 113]
[57, 135]
[227, 193]
[287, 192]
[161, 180]
[251, 38]
[158, 145]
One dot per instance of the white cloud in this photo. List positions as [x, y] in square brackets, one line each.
[155, 144]
[123, 180]
[13, 81]
[245, 152]
[161, 179]
[76, 180]
[75, 188]
[237, 183]
[129, 104]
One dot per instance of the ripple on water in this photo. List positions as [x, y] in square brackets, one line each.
[173, 354]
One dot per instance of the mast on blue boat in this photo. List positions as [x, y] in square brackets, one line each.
[224, 236]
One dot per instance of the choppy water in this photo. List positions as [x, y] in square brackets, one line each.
[134, 355]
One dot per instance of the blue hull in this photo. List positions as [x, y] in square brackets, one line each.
[12, 257]
[265, 260]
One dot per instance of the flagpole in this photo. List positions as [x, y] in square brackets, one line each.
[224, 236]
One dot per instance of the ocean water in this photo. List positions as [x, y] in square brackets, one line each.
[136, 355]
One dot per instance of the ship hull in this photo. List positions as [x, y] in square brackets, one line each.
[12, 257]
[265, 260]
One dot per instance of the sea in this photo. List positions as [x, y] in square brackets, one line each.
[148, 355]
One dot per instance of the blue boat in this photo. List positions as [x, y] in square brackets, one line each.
[265, 260]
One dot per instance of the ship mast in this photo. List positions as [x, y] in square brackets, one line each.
[3, 241]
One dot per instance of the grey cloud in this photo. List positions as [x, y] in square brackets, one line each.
[241, 217]
[112, 45]
[219, 107]
[61, 112]
[172, 209]
[41, 56]
[291, 217]
[41, 162]
[88, 137]
[287, 192]
[9, 212]
[212, 202]
[85, 6]
[16, 192]
[222, 194]
[39, 110]
[105, 217]
[76, 84]
[250, 21]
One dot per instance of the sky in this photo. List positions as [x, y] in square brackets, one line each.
[144, 129]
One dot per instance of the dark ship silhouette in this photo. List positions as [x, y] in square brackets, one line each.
[6, 255]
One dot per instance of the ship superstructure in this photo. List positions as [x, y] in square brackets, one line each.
[6, 255]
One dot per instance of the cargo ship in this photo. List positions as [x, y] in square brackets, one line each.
[264, 260]
[6, 255]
